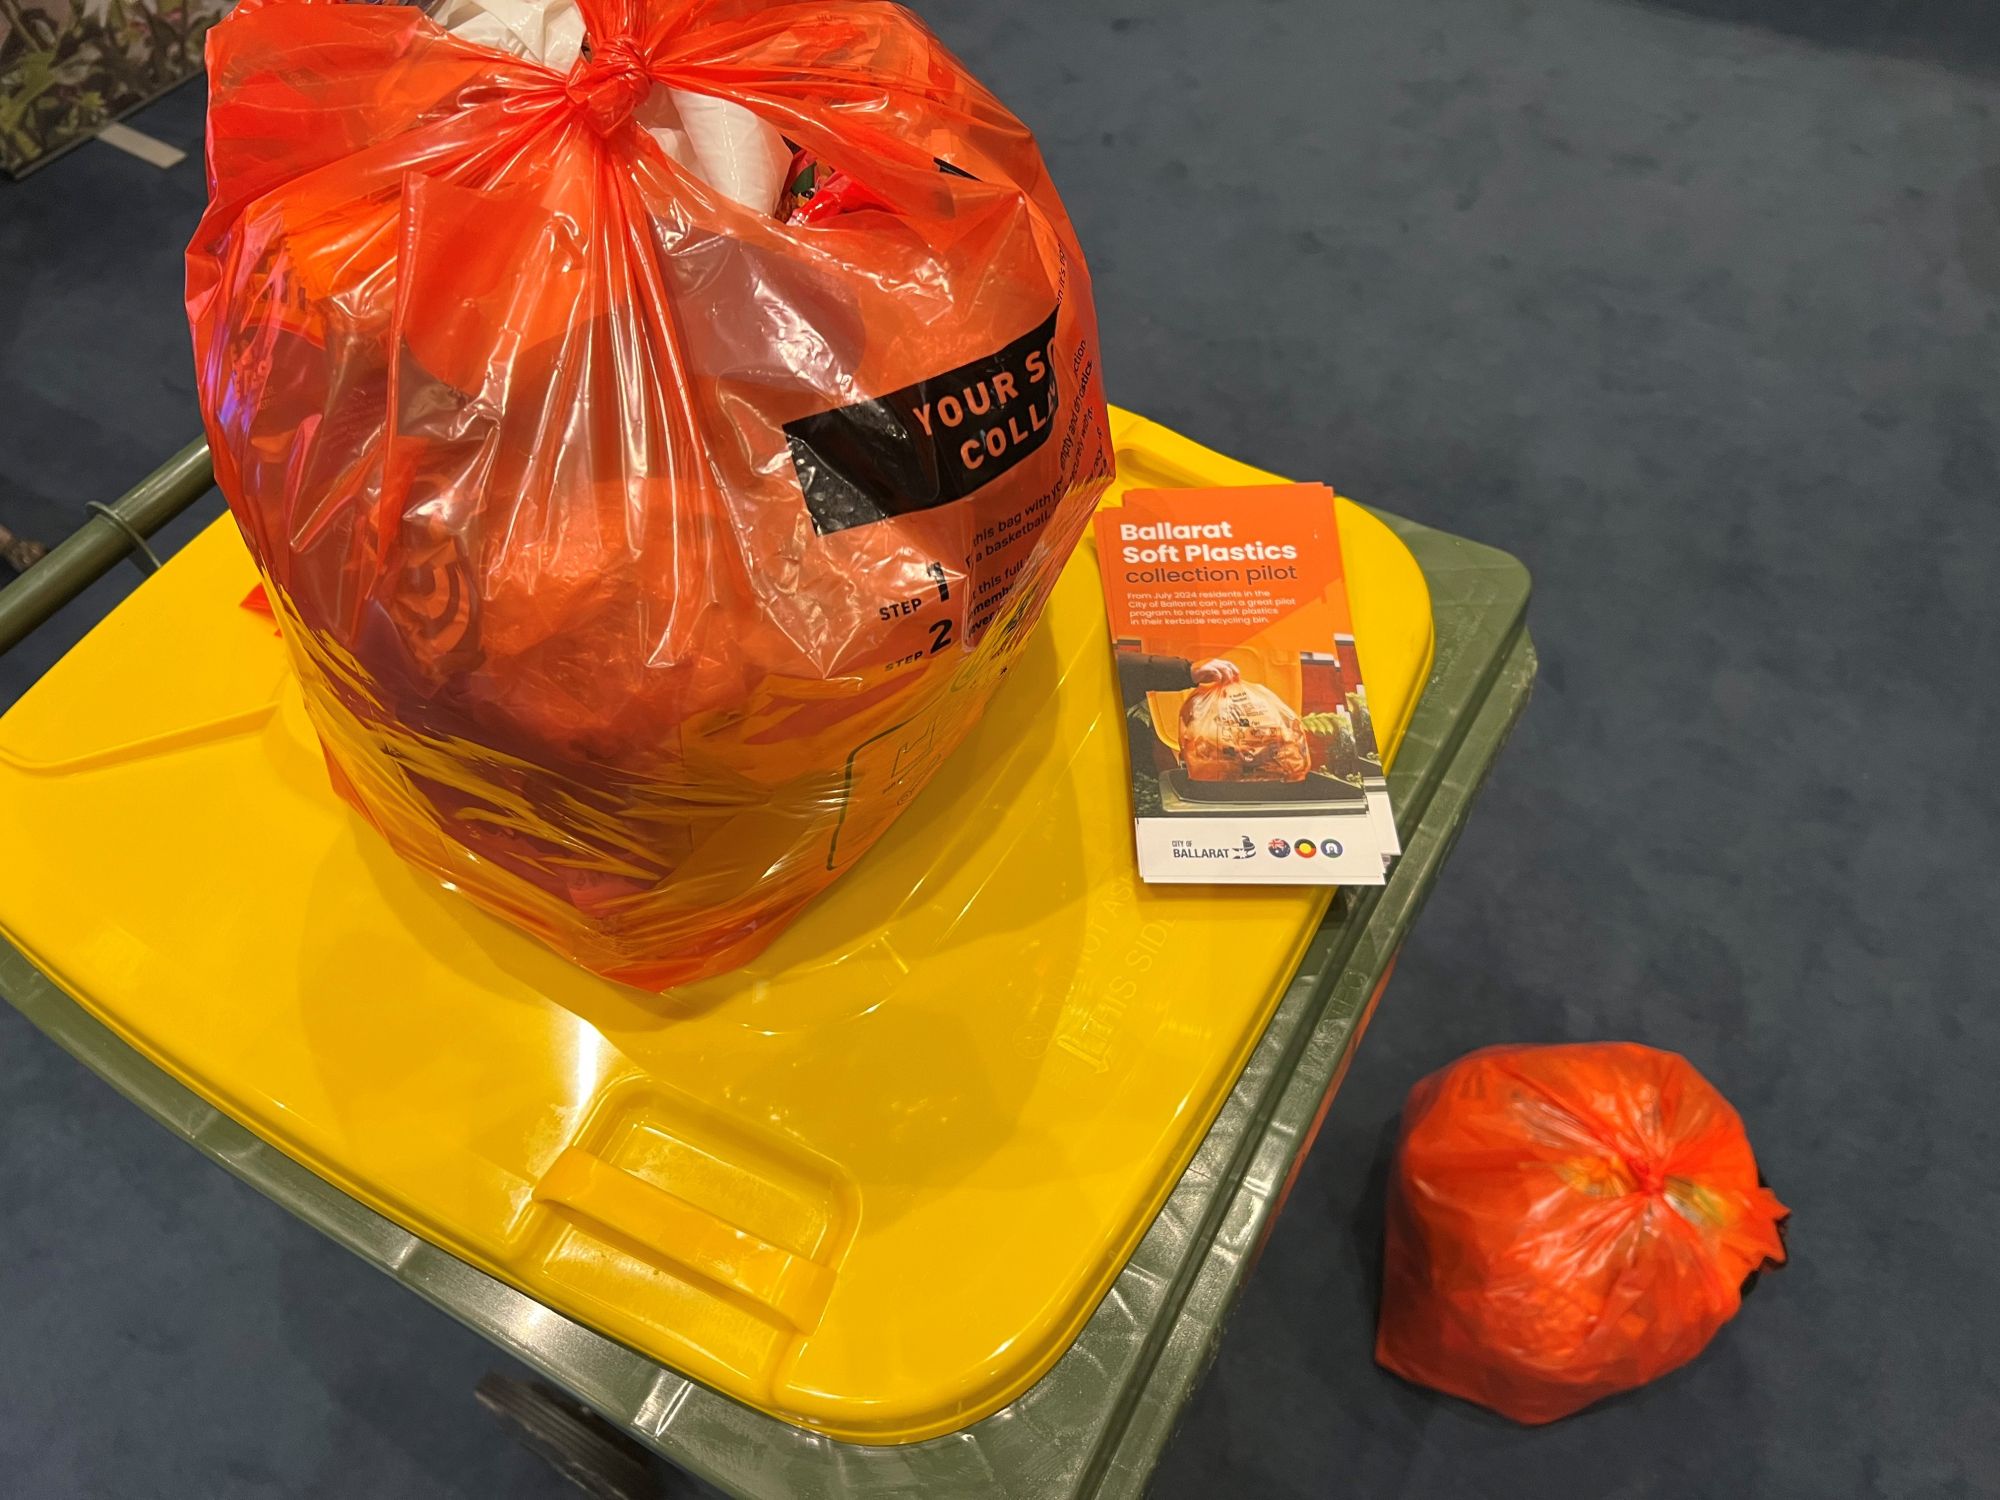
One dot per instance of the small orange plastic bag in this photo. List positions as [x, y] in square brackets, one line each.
[1232, 730]
[642, 549]
[1565, 1223]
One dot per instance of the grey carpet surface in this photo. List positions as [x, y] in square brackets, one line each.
[1690, 306]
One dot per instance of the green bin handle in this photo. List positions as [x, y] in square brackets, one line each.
[97, 546]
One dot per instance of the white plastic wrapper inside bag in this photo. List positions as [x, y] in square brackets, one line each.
[721, 142]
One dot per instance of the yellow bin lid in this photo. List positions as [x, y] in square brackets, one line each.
[873, 1184]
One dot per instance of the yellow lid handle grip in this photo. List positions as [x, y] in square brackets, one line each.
[673, 1234]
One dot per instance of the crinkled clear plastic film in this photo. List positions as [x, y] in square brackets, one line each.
[641, 550]
[1232, 730]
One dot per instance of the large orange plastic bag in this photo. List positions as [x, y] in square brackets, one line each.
[1232, 730]
[641, 555]
[1565, 1223]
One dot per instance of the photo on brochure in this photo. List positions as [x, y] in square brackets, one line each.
[1251, 753]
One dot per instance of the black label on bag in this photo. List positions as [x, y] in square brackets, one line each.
[930, 443]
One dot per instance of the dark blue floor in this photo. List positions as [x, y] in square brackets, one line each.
[1693, 308]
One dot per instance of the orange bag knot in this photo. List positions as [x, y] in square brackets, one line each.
[1648, 1177]
[609, 83]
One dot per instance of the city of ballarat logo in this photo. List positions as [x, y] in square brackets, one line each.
[1243, 848]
